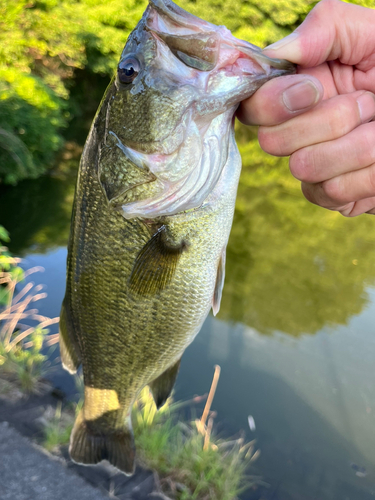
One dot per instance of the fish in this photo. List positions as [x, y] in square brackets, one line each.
[151, 218]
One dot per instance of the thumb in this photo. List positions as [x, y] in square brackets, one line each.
[332, 30]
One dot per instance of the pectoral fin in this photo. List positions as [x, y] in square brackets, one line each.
[219, 283]
[69, 350]
[156, 264]
[162, 386]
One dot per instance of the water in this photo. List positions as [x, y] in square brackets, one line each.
[294, 337]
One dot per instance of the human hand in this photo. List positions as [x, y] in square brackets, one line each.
[321, 116]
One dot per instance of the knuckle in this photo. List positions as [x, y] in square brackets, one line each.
[326, 6]
[366, 142]
[272, 141]
[331, 4]
[332, 190]
[347, 210]
[322, 9]
[371, 180]
[301, 164]
[341, 117]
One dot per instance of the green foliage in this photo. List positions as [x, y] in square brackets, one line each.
[31, 115]
[27, 364]
[42, 44]
[56, 434]
[4, 235]
[9, 269]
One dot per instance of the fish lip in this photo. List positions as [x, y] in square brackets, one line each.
[183, 18]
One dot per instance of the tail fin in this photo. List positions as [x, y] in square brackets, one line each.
[88, 446]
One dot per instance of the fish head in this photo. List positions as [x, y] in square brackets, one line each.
[170, 113]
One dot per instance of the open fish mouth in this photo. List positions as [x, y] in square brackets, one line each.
[205, 46]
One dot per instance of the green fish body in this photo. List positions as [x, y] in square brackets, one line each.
[151, 218]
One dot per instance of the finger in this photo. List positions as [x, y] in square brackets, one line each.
[342, 190]
[281, 99]
[323, 161]
[361, 207]
[325, 36]
[329, 120]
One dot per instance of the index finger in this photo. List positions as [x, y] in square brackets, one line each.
[281, 99]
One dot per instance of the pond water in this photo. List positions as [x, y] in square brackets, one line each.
[294, 337]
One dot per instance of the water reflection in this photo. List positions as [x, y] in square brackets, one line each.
[37, 212]
[291, 266]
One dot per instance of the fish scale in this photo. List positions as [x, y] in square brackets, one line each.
[149, 228]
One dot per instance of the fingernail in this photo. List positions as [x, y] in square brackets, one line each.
[301, 96]
[282, 43]
[366, 106]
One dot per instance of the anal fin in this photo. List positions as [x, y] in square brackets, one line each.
[162, 386]
[69, 350]
[219, 285]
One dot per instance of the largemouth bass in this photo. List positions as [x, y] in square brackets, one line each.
[152, 214]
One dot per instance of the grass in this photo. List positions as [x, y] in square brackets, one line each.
[58, 429]
[21, 344]
[59, 426]
[191, 460]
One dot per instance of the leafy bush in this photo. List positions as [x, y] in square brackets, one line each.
[31, 115]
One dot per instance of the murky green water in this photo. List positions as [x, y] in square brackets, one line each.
[294, 337]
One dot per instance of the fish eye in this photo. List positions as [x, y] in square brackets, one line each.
[128, 69]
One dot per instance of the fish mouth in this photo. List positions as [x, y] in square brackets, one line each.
[203, 45]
